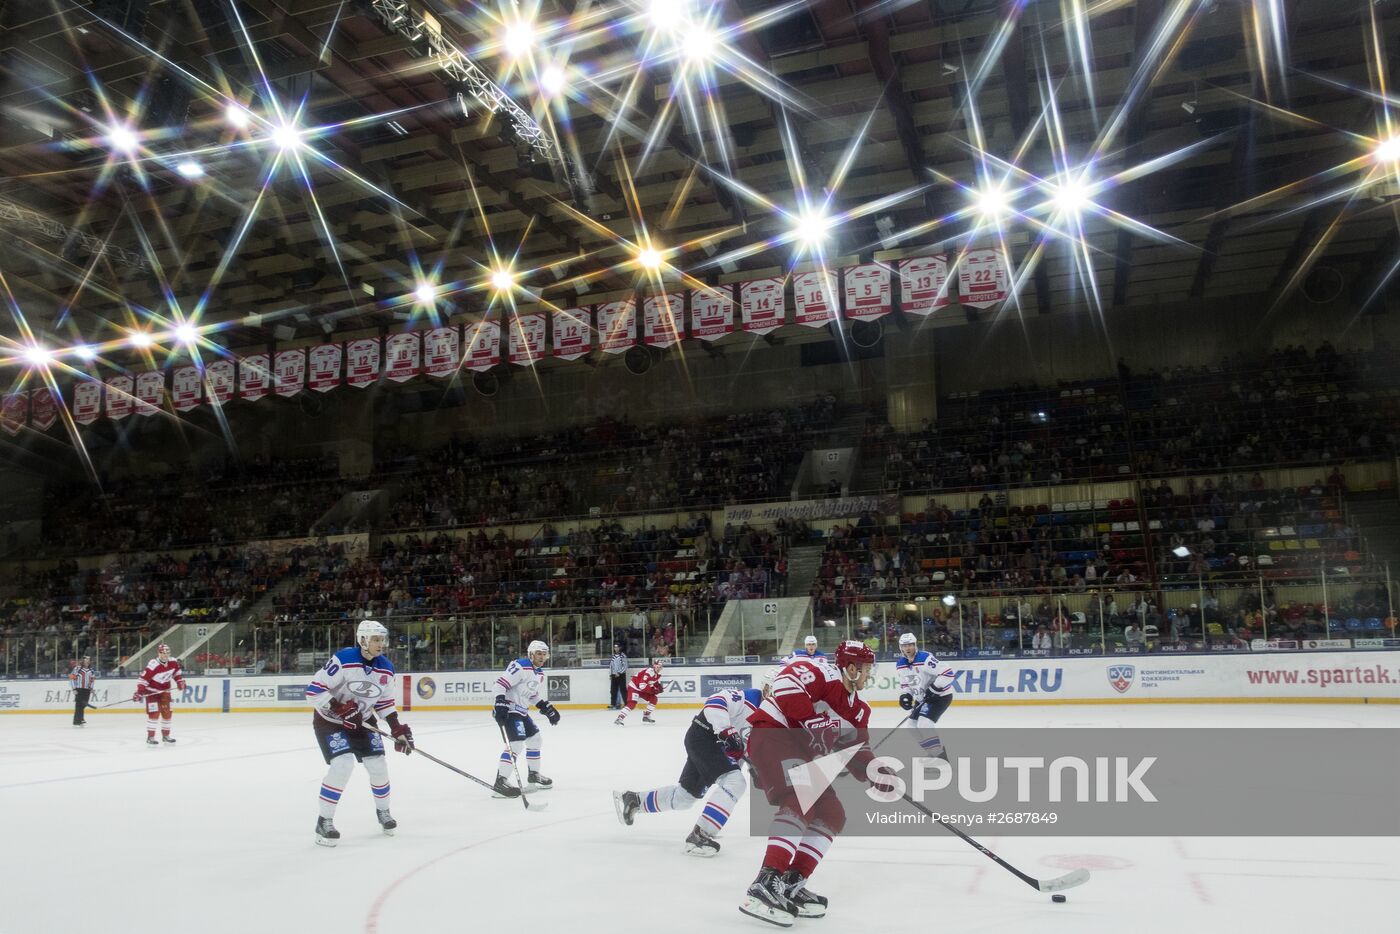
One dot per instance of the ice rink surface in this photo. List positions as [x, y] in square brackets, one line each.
[215, 834]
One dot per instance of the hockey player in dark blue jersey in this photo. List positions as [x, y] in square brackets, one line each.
[714, 746]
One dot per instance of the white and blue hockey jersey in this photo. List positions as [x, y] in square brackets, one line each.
[522, 684]
[348, 677]
[925, 675]
[730, 710]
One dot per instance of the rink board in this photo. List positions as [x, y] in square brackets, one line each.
[1304, 677]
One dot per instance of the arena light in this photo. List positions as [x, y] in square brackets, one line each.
[186, 334]
[1181, 551]
[122, 138]
[84, 352]
[139, 339]
[286, 136]
[519, 38]
[812, 228]
[502, 280]
[1388, 150]
[236, 116]
[190, 169]
[36, 356]
[991, 202]
[649, 258]
[552, 80]
[699, 43]
[667, 15]
[425, 293]
[949, 599]
[1070, 197]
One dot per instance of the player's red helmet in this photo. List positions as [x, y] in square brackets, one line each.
[163, 648]
[852, 652]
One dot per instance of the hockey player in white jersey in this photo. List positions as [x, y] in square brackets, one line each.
[350, 692]
[714, 746]
[926, 690]
[521, 686]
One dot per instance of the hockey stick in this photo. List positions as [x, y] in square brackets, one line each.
[520, 783]
[432, 758]
[92, 706]
[1058, 884]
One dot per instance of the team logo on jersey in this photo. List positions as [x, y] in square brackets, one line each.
[363, 688]
[1121, 677]
[426, 688]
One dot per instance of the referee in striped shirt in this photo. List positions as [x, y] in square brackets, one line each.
[82, 677]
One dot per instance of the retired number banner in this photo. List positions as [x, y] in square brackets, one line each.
[982, 278]
[617, 326]
[711, 313]
[441, 349]
[150, 392]
[218, 378]
[289, 370]
[119, 397]
[573, 336]
[362, 362]
[254, 377]
[483, 345]
[526, 343]
[14, 412]
[923, 284]
[762, 303]
[323, 367]
[814, 293]
[867, 292]
[185, 385]
[402, 356]
[663, 318]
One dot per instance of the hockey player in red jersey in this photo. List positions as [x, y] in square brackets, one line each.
[814, 709]
[644, 686]
[153, 686]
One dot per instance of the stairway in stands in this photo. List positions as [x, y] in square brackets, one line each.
[804, 561]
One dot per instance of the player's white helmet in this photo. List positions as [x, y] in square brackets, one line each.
[537, 646]
[908, 639]
[368, 629]
[810, 640]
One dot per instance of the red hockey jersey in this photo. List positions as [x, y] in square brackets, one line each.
[158, 678]
[808, 694]
[646, 681]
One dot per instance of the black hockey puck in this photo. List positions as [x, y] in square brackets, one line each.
[1057, 898]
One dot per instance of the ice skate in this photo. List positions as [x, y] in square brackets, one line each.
[808, 904]
[541, 782]
[152, 741]
[387, 823]
[167, 739]
[767, 900]
[628, 803]
[700, 843]
[504, 789]
[647, 718]
[326, 834]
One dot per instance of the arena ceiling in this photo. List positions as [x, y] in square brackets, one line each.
[310, 164]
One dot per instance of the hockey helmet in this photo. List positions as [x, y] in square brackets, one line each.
[368, 629]
[537, 646]
[908, 639]
[855, 653]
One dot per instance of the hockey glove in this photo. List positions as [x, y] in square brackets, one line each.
[403, 737]
[881, 781]
[550, 713]
[733, 744]
[348, 713]
[136, 697]
[180, 683]
[906, 701]
[502, 709]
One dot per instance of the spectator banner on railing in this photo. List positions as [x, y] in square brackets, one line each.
[402, 355]
[663, 319]
[573, 337]
[761, 305]
[812, 509]
[711, 314]
[323, 367]
[442, 348]
[525, 340]
[289, 372]
[150, 392]
[43, 409]
[14, 412]
[617, 326]
[362, 362]
[814, 294]
[87, 401]
[867, 291]
[483, 345]
[923, 284]
[254, 377]
[982, 278]
[119, 396]
[218, 377]
[185, 387]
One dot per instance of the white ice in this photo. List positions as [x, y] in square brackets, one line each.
[214, 834]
